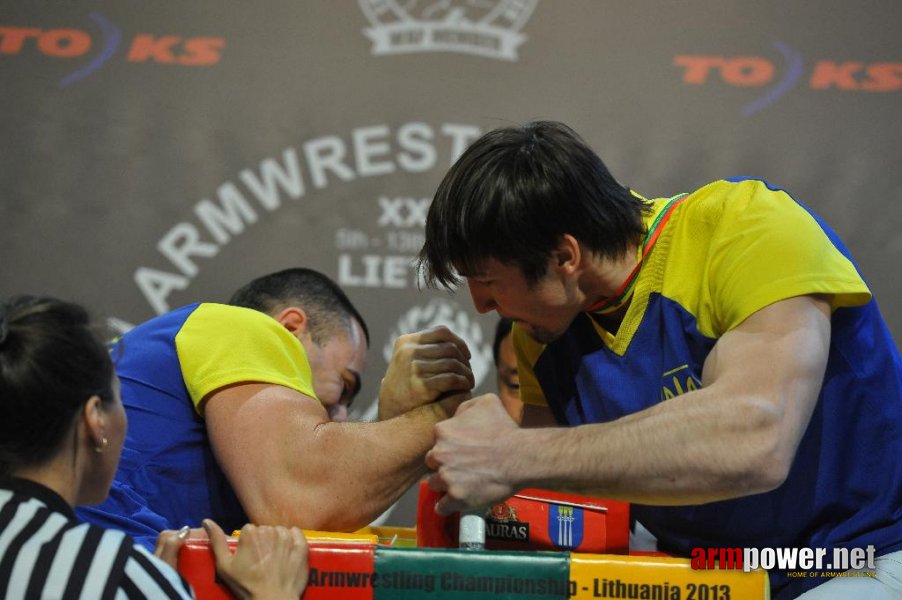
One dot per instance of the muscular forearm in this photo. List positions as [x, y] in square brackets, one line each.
[736, 435]
[684, 451]
[351, 472]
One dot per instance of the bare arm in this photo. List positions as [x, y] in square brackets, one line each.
[290, 465]
[735, 436]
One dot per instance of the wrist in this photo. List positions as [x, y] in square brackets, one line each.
[448, 403]
[522, 450]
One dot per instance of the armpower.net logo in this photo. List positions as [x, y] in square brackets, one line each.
[797, 562]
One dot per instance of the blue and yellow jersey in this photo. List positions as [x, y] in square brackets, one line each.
[728, 250]
[168, 476]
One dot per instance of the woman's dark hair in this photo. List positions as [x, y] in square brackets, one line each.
[51, 362]
[502, 330]
[326, 305]
[512, 196]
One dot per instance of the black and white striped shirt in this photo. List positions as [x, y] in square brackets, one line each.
[46, 553]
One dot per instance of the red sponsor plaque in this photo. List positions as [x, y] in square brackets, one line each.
[534, 519]
[337, 570]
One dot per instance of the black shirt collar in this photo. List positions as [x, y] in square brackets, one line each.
[43, 493]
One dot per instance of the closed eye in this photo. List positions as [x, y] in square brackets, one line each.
[351, 387]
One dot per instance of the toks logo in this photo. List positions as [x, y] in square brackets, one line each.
[756, 72]
[75, 43]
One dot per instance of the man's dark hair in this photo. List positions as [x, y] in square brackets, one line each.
[514, 193]
[52, 361]
[328, 308]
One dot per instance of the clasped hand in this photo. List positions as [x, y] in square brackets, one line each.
[474, 456]
[424, 367]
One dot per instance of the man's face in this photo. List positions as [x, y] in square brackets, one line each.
[544, 309]
[337, 365]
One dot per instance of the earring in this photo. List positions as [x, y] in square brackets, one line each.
[102, 446]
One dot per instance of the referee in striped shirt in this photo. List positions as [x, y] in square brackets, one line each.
[61, 430]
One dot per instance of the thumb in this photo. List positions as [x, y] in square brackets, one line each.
[447, 506]
[218, 542]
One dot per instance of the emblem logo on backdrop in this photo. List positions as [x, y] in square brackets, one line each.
[489, 28]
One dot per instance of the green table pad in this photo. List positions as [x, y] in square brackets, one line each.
[402, 573]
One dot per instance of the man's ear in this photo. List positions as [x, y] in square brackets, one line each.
[293, 318]
[568, 254]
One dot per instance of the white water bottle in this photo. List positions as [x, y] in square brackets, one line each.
[472, 530]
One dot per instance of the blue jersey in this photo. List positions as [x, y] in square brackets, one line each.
[730, 249]
[168, 367]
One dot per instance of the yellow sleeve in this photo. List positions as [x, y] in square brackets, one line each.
[768, 248]
[220, 345]
[528, 351]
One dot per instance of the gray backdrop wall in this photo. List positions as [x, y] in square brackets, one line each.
[158, 153]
